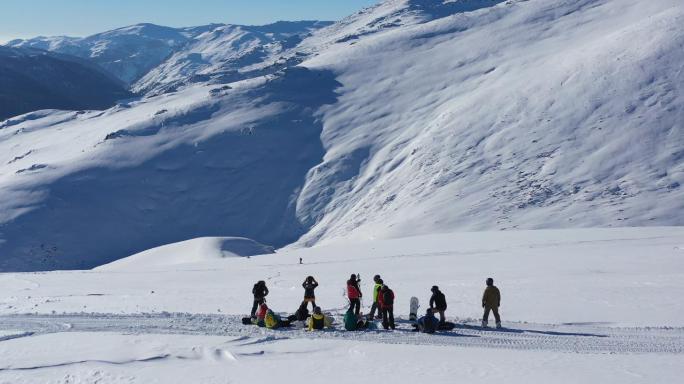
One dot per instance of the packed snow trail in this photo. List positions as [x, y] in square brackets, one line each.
[570, 338]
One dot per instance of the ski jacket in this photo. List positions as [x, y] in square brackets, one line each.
[350, 321]
[309, 288]
[386, 299]
[376, 290]
[353, 291]
[259, 291]
[438, 301]
[261, 314]
[491, 298]
[428, 324]
[271, 320]
[316, 322]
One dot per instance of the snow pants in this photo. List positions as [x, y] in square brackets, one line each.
[494, 310]
[388, 317]
[355, 306]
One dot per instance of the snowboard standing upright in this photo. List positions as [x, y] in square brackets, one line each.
[413, 312]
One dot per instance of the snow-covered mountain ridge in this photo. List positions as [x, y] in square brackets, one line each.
[144, 55]
[411, 117]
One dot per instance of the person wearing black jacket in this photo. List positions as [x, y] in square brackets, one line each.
[309, 286]
[438, 303]
[260, 291]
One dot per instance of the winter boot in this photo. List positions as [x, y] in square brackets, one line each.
[498, 325]
[484, 323]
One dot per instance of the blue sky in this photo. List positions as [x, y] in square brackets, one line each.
[28, 18]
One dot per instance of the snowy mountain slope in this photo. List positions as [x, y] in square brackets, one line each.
[433, 116]
[128, 53]
[226, 54]
[525, 114]
[204, 162]
[32, 79]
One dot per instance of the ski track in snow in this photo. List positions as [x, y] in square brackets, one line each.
[568, 338]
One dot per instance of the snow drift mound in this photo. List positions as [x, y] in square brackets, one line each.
[189, 252]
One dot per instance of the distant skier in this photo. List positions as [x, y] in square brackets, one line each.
[354, 294]
[376, 290]
[260, 291]
[386, 304]
[428, 323]
[300, 261]
[309, 286]
[491, 301]
[438, 303]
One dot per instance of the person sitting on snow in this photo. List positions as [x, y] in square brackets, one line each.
[353, 322]
[318, 320]
[428, 323]
[273, 321]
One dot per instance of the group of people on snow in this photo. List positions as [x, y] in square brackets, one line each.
[383, 303]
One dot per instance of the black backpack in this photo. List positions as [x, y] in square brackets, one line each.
[388, 297]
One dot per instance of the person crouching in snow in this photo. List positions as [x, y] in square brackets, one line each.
[318, 320]
[353, 322]
[386, 304]
[428, 323]
[309, 286]
[438, 303]
[354, 294]
[491, 301]
[260, 291]
[261, 314]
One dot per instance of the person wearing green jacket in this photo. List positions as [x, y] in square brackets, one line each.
[376, 289]
[353, 322]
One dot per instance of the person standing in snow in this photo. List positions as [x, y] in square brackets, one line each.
[354, 294]
[260, 291]
[438, 303]
[376, 290]
[309, 286]
[491, 301]
[386, 304]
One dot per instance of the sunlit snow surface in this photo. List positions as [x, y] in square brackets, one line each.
[578, 306]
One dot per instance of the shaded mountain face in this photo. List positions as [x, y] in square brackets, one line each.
[31, 80]
[406, 118]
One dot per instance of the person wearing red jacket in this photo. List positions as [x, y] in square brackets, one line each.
[386, 304]
[354, 294]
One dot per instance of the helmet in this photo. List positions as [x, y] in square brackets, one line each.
[490, 281]
[376, 278]
[434, 288]
[353, 277]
